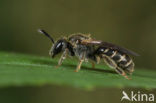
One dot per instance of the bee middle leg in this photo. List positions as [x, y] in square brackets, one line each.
[80, 63]
[93, 65]
[63, 57]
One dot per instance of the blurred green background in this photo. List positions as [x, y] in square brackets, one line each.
[128, 23]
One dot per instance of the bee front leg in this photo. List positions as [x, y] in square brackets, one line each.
[62, 58]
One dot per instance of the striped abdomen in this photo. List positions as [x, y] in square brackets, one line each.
[121, 60]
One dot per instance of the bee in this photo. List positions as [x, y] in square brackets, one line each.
[87, 49]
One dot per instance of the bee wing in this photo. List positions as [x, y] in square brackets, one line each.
[110, 45]
[91, 42]
[121, 49]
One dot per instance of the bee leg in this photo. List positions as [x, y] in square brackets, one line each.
[98, 59]
[80, 63]
[112, 64]
[121, 72]
[62, 58]
[93, 64]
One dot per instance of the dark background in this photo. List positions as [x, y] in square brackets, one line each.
[128, 23]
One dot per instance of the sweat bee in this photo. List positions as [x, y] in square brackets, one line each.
[86, 48]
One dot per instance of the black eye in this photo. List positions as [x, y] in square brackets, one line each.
[58, 47]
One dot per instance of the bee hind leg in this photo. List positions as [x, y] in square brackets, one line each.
[121, 72]
[113, 65]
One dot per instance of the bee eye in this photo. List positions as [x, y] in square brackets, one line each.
[58, 47]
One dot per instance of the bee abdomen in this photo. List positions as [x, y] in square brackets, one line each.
[122, 60]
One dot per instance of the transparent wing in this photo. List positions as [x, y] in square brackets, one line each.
[109, 45]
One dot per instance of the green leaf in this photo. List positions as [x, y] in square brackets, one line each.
[24, 70]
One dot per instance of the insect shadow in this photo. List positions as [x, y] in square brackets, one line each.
[90, 69]
[49, 63]
[72, 66]
[44, 62]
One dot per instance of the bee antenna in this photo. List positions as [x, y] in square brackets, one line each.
[46, 34]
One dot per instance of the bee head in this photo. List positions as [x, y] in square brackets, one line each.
[58, 47]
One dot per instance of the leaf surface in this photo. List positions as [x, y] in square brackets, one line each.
[25, 70]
